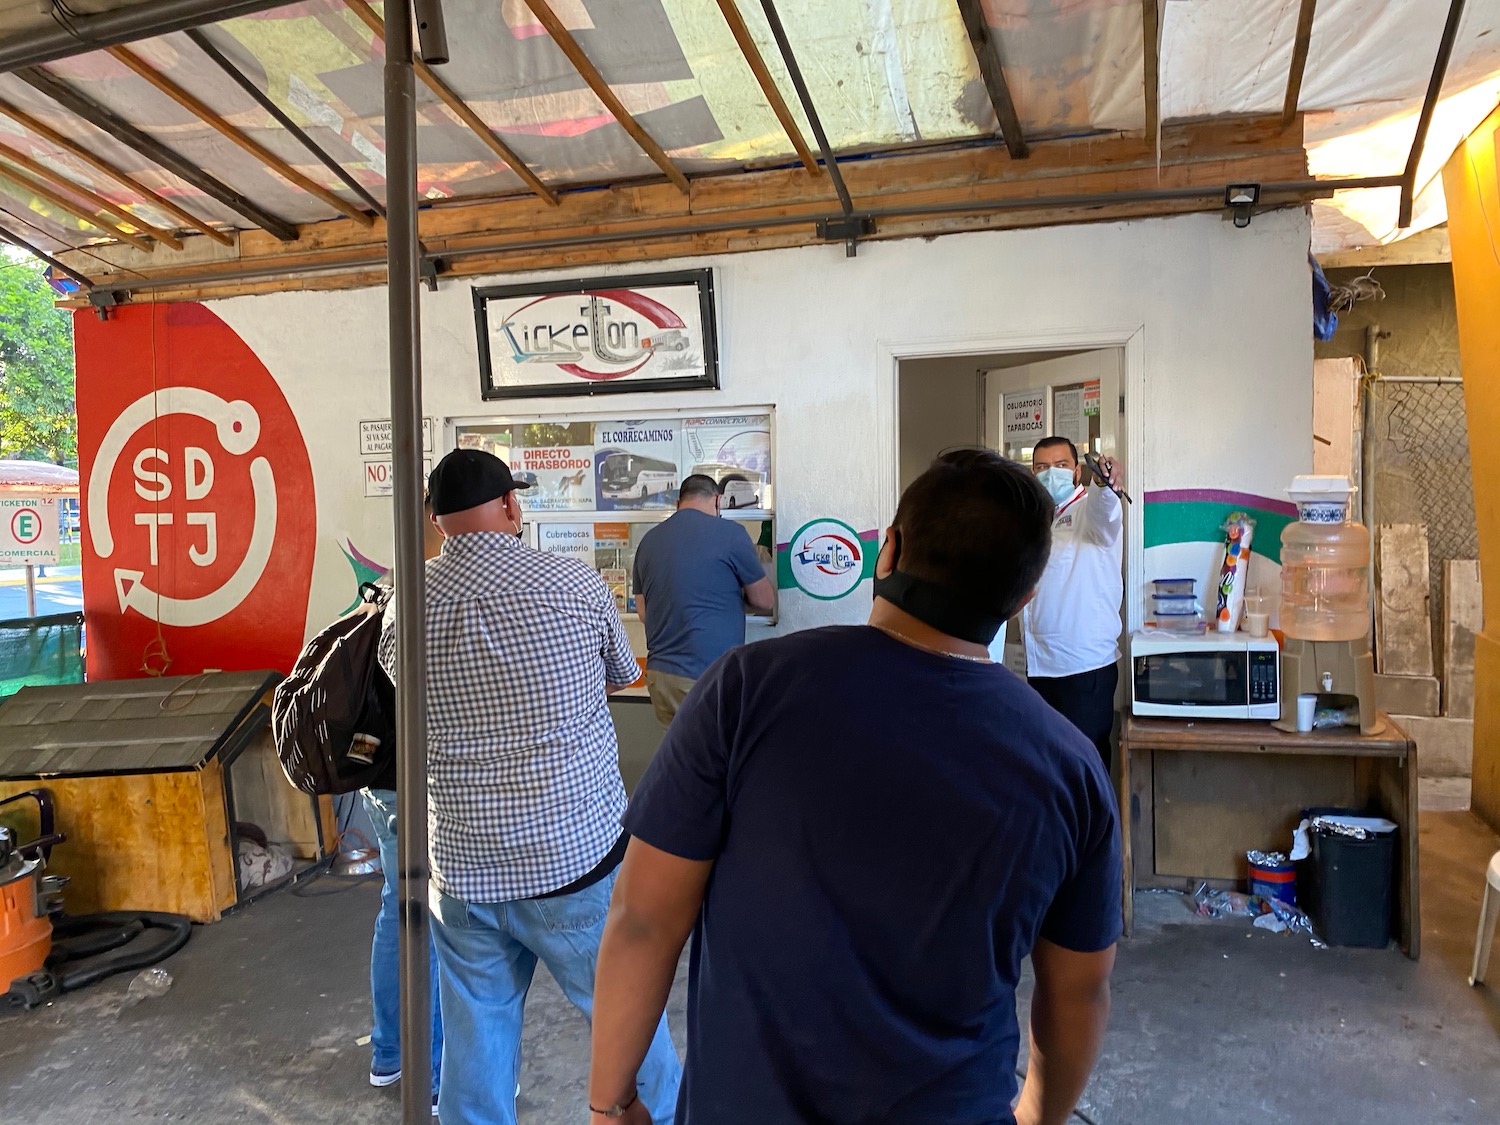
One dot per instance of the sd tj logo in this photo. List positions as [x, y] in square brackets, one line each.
[238, 429]
[199, 514]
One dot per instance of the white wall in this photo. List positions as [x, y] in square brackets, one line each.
[1221, 320]
[938, 409]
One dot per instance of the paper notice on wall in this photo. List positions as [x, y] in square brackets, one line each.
[380, 481]
[1067, 417]
[1024, 417]
[559, 477]
[636, 464]
[375, 437]
[574, 540]
[1091, 399]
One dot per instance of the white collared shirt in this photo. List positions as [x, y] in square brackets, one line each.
[1073, 623]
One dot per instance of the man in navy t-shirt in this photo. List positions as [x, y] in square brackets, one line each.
[871, 828]
[693, 578]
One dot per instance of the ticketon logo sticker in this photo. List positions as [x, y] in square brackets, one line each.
[827, 561]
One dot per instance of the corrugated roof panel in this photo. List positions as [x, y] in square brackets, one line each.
[124, 726]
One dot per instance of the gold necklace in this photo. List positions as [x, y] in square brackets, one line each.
[902, 637]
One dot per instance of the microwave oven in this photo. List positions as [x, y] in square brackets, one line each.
[1205, 676]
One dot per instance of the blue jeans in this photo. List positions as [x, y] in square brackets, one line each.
[489, 952]
[385, 950]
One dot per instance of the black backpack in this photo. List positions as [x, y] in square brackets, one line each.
[334, 717]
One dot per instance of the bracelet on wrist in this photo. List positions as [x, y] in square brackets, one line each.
[619, 1108]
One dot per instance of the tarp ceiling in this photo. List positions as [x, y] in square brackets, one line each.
[882, 73]
[38, 476]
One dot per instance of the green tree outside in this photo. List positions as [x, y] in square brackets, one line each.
[38, 413]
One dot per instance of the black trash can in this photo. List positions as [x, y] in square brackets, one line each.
[1345, 885]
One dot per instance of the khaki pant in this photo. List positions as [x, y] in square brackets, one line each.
[667, 693]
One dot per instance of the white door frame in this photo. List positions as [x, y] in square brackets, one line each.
[1131, 340]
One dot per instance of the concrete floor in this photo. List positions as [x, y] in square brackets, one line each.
[1213, 1023]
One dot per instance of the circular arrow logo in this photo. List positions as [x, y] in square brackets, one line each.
[237, 427]
[827, 560]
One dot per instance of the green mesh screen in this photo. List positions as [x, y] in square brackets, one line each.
[41, 650]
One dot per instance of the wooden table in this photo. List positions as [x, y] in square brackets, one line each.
[1198, 794]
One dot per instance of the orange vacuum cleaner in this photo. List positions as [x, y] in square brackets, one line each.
[27, 897]
[44, 951]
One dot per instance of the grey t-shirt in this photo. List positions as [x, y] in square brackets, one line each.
[692, 570]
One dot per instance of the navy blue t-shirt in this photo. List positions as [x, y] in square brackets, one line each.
[692, 570]
[892, 830]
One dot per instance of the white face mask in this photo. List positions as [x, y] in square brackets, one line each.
[1058, 483]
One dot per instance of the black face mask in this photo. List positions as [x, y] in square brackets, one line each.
[942, 609]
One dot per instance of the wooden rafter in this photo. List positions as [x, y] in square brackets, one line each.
[913, 194]
[98, 202]
[78, 152]
[212, 119]
[741, 32]
[590, 74]
[987, 51]
[1299, 60]
[57, 199]
[110, 122]
[1151, 33]
[461, 109]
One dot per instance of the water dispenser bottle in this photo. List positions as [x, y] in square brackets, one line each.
[1325, 564]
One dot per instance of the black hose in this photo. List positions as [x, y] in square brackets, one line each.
[177, 927]
[73, 939]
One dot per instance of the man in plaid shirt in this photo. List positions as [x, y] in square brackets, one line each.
[524, 789]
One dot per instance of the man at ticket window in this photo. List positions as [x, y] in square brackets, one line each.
[1072, 626]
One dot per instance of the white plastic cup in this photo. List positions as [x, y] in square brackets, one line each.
[1307, 705]
[1257, 624]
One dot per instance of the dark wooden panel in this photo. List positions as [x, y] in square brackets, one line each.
[1210, 808]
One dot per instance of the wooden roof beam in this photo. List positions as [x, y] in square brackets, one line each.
[1299, 61]
[212, 119]
[987, 51]
[110, 122]
[461, 109]
[98, 202]
[1151, 22]
[741, 32]
[57, 199]
[78, 152]
[590, 74]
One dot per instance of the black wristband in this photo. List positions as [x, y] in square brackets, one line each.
[617, 1110]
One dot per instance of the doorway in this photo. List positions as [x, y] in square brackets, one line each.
[1008, 401]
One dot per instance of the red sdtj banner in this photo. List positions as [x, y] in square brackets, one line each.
[198, 512]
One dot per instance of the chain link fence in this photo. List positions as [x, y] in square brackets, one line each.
[1421, 471]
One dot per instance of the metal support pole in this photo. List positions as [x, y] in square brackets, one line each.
[30, 590]
[403, 288]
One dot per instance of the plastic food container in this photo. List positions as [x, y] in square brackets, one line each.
[1175, 587]
[1181, 623]
[1173, 604]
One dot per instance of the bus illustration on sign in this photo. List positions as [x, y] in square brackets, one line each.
[631, 476]
[740, 487]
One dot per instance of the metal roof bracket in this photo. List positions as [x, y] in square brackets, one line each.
[848, 230]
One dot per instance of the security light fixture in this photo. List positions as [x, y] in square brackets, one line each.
[1241, 197]
[432, 34]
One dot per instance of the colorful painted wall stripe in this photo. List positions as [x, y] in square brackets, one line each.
[1196, 515]
[869, 547]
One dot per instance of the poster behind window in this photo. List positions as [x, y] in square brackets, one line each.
[636, 464]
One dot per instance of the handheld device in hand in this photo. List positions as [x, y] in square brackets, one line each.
[1094, 467]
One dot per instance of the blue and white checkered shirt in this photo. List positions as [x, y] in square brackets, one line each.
[523, 770]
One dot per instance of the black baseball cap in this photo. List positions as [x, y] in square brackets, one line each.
[467, 478]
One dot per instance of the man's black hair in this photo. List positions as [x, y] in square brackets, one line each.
[977, 525]
[697, 485]
[1056, 439]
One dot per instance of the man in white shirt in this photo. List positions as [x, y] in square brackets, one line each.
[1072, 626]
